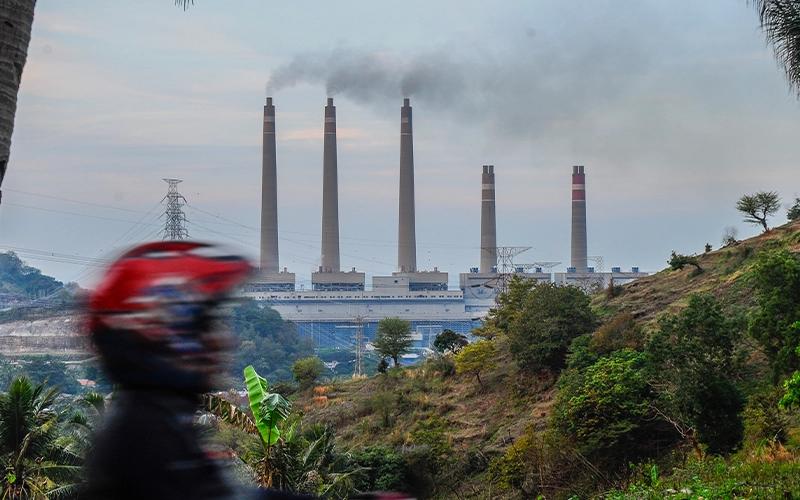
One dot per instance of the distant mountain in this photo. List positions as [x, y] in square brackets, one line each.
[26, 292]
[19, 279]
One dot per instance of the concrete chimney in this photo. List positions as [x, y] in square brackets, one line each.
[406, 234]
[330, 195]
[269, 194]
[578, 259]
[488, 222]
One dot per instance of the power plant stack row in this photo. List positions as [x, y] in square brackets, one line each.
[338, 299]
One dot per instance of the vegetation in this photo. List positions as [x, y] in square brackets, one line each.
[307, 371]
[759, 206]
[449, 341]
[679, 261]
[265, 340]
[794, 211]
[476, 357]
[393, 338]
[729, 236]
[42, 442]
[780, 20]
[775, 277]
[540, 320]
[287, 456]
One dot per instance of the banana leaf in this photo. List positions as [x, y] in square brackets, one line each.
[269, 409]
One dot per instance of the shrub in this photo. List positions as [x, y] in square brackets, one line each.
[449, 341]
[693, 361]
[606, 410]
[618, 333]
[776, 280]
[541, 321]
[383, 469]
[306, 371]
[476, 357]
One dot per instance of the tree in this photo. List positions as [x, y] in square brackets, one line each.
[306, 371]
[794, 211]
[607, 411]
[287, 458]
[476, 357]
[541, 320]
[776, 281]
[393, 338]
[780, 20]
[32, 462]
[729, 236]
[449, 341]
[759, 206]
[693, 363]
[679, 261]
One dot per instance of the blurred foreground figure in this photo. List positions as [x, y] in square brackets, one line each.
[153, 322]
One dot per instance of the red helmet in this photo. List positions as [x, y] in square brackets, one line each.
[152, 315]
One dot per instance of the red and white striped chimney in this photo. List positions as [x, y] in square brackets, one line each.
[579, 258]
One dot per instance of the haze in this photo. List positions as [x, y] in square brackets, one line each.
[675, 108]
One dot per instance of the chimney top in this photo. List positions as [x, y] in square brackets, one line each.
[577, 169]
[269, 101]
[330, 101]
[406, 101]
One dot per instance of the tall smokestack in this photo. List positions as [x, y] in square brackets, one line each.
[269, 194]
[406, 234]
[330, 195]
[578, 260]
[488, 222]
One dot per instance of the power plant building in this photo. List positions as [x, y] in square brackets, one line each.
[339, 302]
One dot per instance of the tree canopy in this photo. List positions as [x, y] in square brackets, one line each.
[759, 206]
[393, 338]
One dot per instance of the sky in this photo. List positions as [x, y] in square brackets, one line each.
[675, 108]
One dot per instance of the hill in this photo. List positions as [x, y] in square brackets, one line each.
[466, 440]
[723, 271]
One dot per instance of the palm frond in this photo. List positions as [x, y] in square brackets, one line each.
[184, 3]
[780, 20]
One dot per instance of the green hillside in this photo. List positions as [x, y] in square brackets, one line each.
[673, 394]
[20, 280]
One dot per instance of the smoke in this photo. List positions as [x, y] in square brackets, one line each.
[516, 91]
[372, 77]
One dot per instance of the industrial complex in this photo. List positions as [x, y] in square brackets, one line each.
[340, 308]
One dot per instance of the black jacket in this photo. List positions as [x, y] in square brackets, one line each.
[149, 449]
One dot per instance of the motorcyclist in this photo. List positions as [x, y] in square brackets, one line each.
[153, 321]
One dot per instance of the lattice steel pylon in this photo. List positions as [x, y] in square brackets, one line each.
[505, 268]
[358, 369]
[174, 218]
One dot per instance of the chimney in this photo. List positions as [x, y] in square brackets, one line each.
[406, 234]
[488, 222]
[269, 194]
[578, 259]
[330, 195]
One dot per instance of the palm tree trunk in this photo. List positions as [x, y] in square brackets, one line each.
[16, 21]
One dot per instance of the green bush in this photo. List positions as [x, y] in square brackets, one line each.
[776, 280]
[607, 410]
[383, 469]
[307, 371]
[541, 320]
[694, 360]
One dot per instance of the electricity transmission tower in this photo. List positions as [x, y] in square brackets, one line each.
[174, 218]
[358, 370]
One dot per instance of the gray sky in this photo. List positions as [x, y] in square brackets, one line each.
[676, 109]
